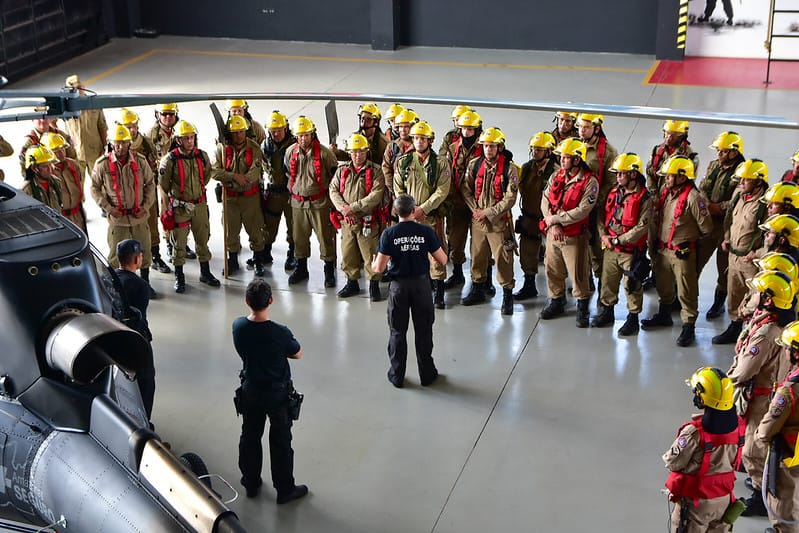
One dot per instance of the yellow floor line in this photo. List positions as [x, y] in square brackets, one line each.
[651, 72]
[117, 68]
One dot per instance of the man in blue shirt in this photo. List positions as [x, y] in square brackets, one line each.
[407, 245]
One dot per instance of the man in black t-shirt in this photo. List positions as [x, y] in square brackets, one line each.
[407, 246]
[265, 347]
[130, 254]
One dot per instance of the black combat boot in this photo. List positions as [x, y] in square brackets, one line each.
[190, 254]
[528, 290]
[438, 293]
[476, 294]
[729, 335]
[754, 505]
[330, 274]
[180, 280]
[490, 290]
[649, 283]
[687, 335]
[233, 262]
[351, 288]
[456, 279]
[291, 261]
[554, 308]
[145, 275]
[158, 263]
[582, 312]
[169, 255]
[507, 302]
[717, 309]
[206, 276]
[630, 326]
[260, 270]
[300, 272]
[374, 291]
[604, 318]
[661, 318]
[266, 256]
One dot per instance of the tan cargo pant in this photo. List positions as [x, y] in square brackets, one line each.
[707, 246]
[739, 270]
[246, 211]
[754, 453]
[703, 519]
[613, 266]
[437, 271]
[279, 203]
[200, 226]
[458, 223]
[568, 258]
[786, 504]
[317, 220]
[487, 244]
[140, 232]
[357, 250]
[669, 269]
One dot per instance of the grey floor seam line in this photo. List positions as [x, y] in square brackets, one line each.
[485, 424]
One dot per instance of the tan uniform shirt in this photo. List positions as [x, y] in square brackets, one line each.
[130, 188]
[162, 139]
[759, 358]
[654, 182]
[641, 227]
[742, 223]
[354, 194]
[608, 179]
[687, 451]
[587, 200]
[558, 137]
[694, 223]
[33, 137]
[532, 181]
[278, 174]
[411, 178]
[88, 132]
[782, 416]
[306, 182]
[258, 132]
[50, 197]
[443, 151]
[223, 170]
[497, 211]
[144, 146]
[719, 183]
[459, 157]
[68, 171]
[394, 150]
[193, 186]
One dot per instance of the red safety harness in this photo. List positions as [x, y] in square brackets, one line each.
[254, 189]
[630, 207]
[663, 150]
[478, 152]
[679, 209]
[182, 173]
[76, 178]
[380, 213]
[112, 168]
[562, 199]
[317, 168]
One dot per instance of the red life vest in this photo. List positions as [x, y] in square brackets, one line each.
[254, 189]
[790, 176]
[679, 209]
[500, 178]
[702, 485]
[663, 150]
[629, 217]
[382, 211]
[560, 198]
[601, 146]
[182, 172]
[317, 168]
[478, 152]
[112, 168]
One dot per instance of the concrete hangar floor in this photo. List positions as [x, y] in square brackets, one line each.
[535, 426]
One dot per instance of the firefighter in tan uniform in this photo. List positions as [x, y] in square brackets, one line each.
[758, 367]
[564, 126]
[426, 177]
[490, 187]
[143, 145]
[624, 231]
[452, 135]
[88, 131]
[566, 204]
[704, 457]
[240, 108]
[675, 142]
[184, 173]
[357, 191]
[40, 181]
[782, 198]
[458, 220]
[682, 218]
[33, 137]
[742, 239]
[781, 424]
[599, 157]
[399, 146]
[238, 165]
[718, 187]
[277, 201]
[533, 178]
[123, 186]
[68, 172]
[5, 150]
[369, 127]
[310, 169]
[391, 113]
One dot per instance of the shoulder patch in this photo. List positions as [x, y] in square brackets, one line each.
[778, 405]
[682, 442]
[754, 350]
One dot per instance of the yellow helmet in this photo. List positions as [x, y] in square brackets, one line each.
[127, 117]
[53, 141]
[356, 142]
[406, 116]
[627, 162]
[370, 108]
[676, 126]
[782, 192]
[469, 119]
[303, 124]
[752, 169]
[393, 110]
[458, 111]
[790, 336]
[38, 155]
[236, 103]
[786, 225]
[795, 157]
[597, 120]
[167, 108]
[573, 147]
[542, 139]
[679, 165]
[775, 284]
[423, 129]
[121, 134]
[276, 120]
[713, 388]
[184, 128]
[236, 123]
[568, 115]
[492, 136]
[728, 140]
[782, 263]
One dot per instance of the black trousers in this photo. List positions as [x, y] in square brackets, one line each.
[710, 6]
[257, 404]
[410, 297]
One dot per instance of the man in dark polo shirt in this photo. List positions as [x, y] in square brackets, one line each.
[407, 246]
